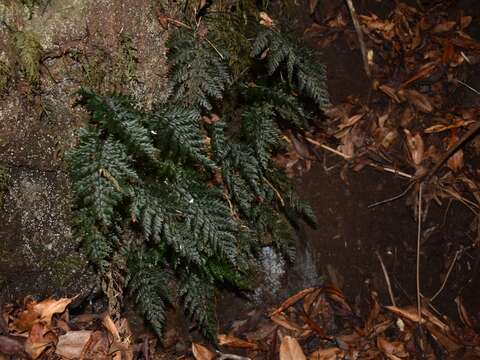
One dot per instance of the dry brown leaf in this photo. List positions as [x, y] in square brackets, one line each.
[415, 146]
[200, 352]
[292, 300]
[309, 299]
[437, 128]
[312, 4]
[108, 323]
[455, 162]
[265, 20]
[11, 345]
[327, 354]
[40, 312]
[350, 121]
[417, 99]
[235, 342]
[72, 344]
[409, 313]
[390, 92]
[465, 21]
[392, 349]
[290, 349]
[444, 26]
[282, 320]
[38, 340]
[424, 71]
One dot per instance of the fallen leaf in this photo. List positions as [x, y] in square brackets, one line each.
[282, 320]
[327, 354]
[290, 349]
[40, 312]
[415, 146]
[440, 127]
[110, 326]
[465, 21]
[418, 100]
[11, 345]
[312, 5]
[463, 314]
[265, 20]
[392, 349]
[235, 342]
[423, 72]
[389, 91]
[200, 352]
[409, 313]
[444, 26]
[72, 344]
[350, 121]
[292, 300]
[38, 340]
[455, 162]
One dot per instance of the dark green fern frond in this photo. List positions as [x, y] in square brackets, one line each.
[272, 225]
[198, 72]
[178, 134]
[302, 68]
[149, 285]
[102, 173]
[198, 293]
[260, 130]
[117, 114]
[287, 107]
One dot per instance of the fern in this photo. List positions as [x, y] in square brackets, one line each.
[302, 68]
[199, 296]
[198, 72]
[203, 193]
[148, 284]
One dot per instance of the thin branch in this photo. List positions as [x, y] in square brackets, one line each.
[447, 276]
[419, 236]
[396, 197]
[387, 279]
[358, 29]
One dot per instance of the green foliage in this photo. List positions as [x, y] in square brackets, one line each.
[199, 73]
[29, 52]
[201, 189]
[5, 74]
[299, 63]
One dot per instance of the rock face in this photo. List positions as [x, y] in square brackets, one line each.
[109, 45]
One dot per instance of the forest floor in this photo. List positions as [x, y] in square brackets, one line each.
[335, 309]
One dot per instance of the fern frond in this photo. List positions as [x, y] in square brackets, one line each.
[198, 294]
[179, 135]
[148, 284]
[102, 173]
[302, 68]
[260, 129]
[198, 72]
[117, 114]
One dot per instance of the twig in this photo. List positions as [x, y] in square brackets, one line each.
[419, 235]
[359, 32]
[276, 191]
[467, 86]
[464, 139]
[387, 278]
[447, 276]
[213, 46]
[396, 197]
[347, 157]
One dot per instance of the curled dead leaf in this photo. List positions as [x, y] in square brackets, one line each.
[235, 342]
[390, 92]
[265, 20]
[327, 354]
[292, 300]
[415, 146]
[40, 312]
[290, 349]
[72, 344]
[200, 352]
[417, 99]
[444, 26]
